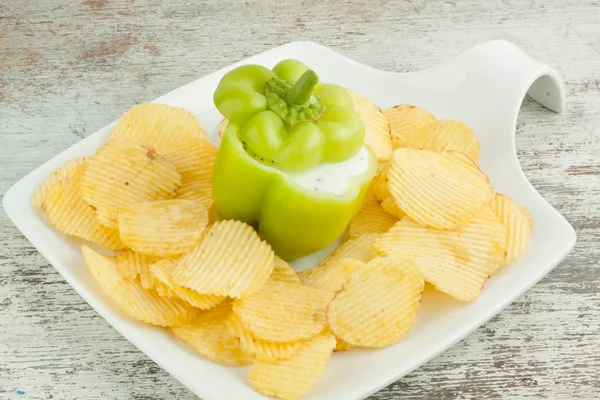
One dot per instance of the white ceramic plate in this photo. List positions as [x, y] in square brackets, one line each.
[483, 87]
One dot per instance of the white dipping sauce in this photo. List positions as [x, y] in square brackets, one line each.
[333, 178]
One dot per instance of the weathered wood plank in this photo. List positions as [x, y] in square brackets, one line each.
[68, 68]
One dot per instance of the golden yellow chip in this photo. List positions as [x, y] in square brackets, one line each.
[439, 190]
[406, 122]
[331, 275]
[199, 190]
[163, 228]
[132, 265]
[517, 224]
[377, 127]
[282, 271]
[158, 125]
[132, 298]
[256, 349]
[342, 345]
[222, 127]
[381, 193]
[163, 271]
[163, 290]
[67, 212]
[447, 135]
[125, 172]
[455, 262]
[371, 219]
[231, 261]
[358, 248]
[37, 200]
[284, 312]
[209, 335]
[291, 378]
[193, 159]
[378, 304]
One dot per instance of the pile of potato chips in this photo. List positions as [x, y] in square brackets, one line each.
[431, 216]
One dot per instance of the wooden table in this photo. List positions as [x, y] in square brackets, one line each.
[67, 68]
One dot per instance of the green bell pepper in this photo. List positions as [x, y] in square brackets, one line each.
[281, 122]
[288, 118]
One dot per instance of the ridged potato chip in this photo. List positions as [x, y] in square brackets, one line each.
[158, 125]
[517, 224]
[163, 228]
[163, 290]
[282, 271]
[59, 174]
[132, 265]
[209, 335]
[371, 219]
[231, 261]
[455, 262]
[132, 298]
[222, 127]
[331, 275]
[381, 193]
[260, 350]
[284, 312]
[378, 304]
[447, 135]
[125, 172]
[199, 190]
[377, 127]
[358, 248]
[406, 122]
[439, 190]
[163, 271]
[291, 378]
[193, 159]
[67, 212]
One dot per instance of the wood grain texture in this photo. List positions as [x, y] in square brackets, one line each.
[67, 68]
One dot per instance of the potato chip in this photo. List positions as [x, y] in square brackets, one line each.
[199, 190]
[284, 312]
[282, 271]
[163, 228]
[132, 265]
[447, 135]
[377, 127]
[517, 224]
[209, 335]
[331, 275]
[222, 127]
[67, 212]
[256, 349]
[358, 248]
[455, 262]
[383, 196]
[158, 125]
[163, 271]
[407, 121]
[193, 159]
[231, 261]
[59, 174]
[378, 304]
[371, 219]
[439, 190]
[163, 290]
[291, 378]
[132, 298]
[125, 172]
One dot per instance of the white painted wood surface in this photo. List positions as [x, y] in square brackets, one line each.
[69, 67]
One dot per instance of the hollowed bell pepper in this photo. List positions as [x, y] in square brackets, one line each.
[281, 122]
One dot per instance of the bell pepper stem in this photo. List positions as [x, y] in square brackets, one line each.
[302, 90]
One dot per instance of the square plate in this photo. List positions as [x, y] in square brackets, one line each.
[483, 87]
